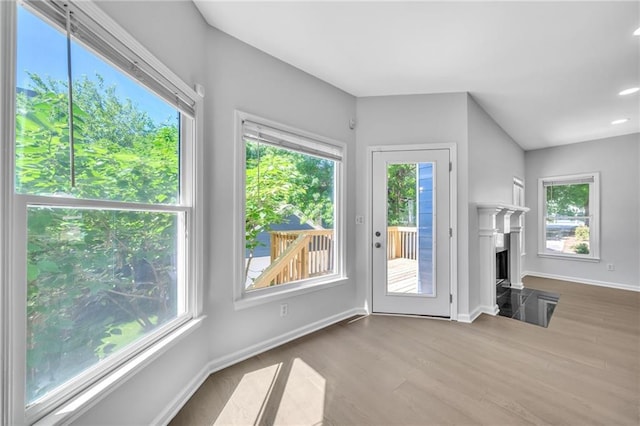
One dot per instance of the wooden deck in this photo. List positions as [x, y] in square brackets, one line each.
[402, 275]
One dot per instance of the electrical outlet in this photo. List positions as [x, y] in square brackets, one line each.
[284, 309]
[359, 220]
[611, 267]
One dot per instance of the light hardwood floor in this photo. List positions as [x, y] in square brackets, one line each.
[379, 370]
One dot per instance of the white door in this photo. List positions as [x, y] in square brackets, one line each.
[411, 232]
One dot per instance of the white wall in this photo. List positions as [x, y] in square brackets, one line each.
[235, 76]
[241, 77]
[412, 119]
[494, 160]
[617, 160]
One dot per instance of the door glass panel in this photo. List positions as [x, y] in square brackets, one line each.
[410, 225]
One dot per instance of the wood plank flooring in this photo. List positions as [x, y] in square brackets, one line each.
[584, 369]
[402, 275]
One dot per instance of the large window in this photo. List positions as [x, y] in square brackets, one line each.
[569, 210]
[291, 207]
[103, 197]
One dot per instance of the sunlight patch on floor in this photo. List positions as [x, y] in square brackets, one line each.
[303, 397]
[246, 404]
[287, 393]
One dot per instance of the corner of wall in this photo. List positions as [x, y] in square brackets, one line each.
[494, 159]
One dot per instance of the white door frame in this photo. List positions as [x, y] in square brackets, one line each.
[453, 216]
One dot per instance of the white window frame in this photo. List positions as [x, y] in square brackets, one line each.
[593, 179]
[519, 200]
[243, 298]
[74, 397]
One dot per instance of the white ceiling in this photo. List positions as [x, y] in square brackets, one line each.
[548, 72]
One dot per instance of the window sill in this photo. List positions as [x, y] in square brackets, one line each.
[76, 406]
[260, 297]
[569, 257]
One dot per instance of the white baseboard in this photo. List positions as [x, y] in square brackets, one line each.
[469, 318]
[582, 281]
[245, 353]
[181, 398]
[218, 364]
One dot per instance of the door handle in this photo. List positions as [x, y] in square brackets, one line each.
[377, 245]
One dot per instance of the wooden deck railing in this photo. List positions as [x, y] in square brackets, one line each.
[296, 255]
[402, 242]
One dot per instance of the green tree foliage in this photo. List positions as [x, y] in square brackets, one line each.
[280, 183]
[401, 194]
[269, 186]
[582, 233]
[568, 200]
[581, 248]
[120, 154]
[93, 273]
[315, 199]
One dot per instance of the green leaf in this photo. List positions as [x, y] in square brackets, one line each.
[33, 272]
[48, 266]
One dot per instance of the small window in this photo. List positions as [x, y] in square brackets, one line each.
[518, 200]
[569, 210]
[291, 205]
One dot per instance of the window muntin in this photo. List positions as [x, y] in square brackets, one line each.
[99, 238]
[290, 208]
[569, 216]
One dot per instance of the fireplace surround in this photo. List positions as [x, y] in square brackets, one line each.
[495, 218]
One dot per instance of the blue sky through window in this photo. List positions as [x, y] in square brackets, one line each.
[42, 50]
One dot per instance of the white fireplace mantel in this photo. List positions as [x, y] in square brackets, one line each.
[494, 218]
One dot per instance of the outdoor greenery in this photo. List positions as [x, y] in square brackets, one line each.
[582, 233]
[97, 279]
[568, 200]
[281, 183]
[568, 208]
[581, 248]
[401, 194]
[582, 236]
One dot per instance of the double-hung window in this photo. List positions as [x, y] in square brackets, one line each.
[103, 202]
[569, 216]
[292, 207]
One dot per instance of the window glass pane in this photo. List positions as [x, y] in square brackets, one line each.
[289, 213]
[567, 219]
[126, 139]
[410, 228]
[97, 281]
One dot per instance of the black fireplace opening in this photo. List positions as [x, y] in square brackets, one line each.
[502, 266]
[503, 243]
